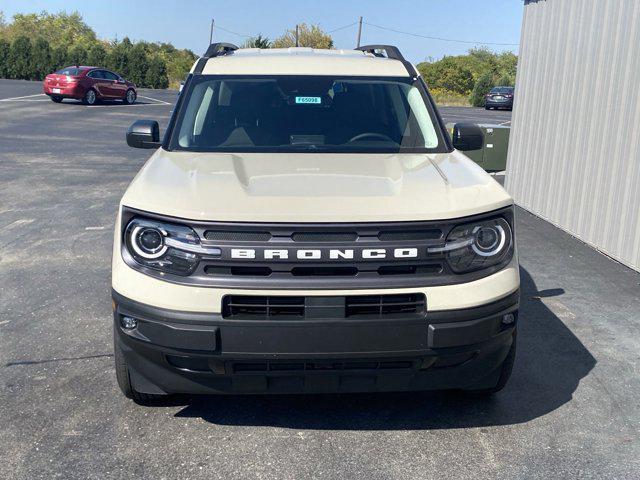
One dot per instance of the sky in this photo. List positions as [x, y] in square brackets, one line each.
[186, 23]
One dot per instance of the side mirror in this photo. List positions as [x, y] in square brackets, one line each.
[467, 136]
[144, 134]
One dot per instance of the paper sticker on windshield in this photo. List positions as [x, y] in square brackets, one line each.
[309, 100]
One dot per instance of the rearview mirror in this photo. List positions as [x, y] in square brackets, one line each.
[144, 134]
[467, 136]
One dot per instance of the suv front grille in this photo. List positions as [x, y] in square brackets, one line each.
[245, 306]
[383, 305]
[253, 307]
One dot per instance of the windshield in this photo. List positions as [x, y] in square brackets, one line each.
[305, 113]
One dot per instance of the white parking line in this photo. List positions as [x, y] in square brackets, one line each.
[154, 99]
[19, 98]
[504, 123]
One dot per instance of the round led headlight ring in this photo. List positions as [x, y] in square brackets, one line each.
[147, 242]
[489, 240]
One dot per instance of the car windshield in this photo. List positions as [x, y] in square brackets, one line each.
[306, 113]
[502, 90]
[72, 71]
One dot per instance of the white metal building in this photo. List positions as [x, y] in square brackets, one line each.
[574, 153]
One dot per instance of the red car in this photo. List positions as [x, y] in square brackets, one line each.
[88, 84]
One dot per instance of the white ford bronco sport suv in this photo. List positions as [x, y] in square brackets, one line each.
[307, 224]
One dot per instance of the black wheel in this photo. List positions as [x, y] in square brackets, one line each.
[129, 97]
[90, 97]
[56, 98]
[487, 107]
[124, 380]
[505, 373]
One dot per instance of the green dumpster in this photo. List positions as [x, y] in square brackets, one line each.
[493, 156]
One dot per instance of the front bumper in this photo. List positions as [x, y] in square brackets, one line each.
[178, 352]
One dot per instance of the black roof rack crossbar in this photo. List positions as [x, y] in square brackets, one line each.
[391, 52]
[214, 50]
[218, 49]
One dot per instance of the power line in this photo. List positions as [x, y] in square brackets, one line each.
[342, 28]
[439, 38]
[232, 32]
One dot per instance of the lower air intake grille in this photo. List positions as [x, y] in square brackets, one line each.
[249, 307]
[245, 306]
[382, 305]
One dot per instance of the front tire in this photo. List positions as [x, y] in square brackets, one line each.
[56, 98]
[90, 97]
[130, 97]
[124, 379]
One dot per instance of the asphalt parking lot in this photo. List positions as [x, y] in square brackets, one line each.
[571, 409]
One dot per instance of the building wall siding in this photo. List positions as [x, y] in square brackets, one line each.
[574, 152]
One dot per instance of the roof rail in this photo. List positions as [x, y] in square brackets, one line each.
[214, 50]
[391, 52]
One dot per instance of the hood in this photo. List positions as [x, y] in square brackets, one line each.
[313, 187]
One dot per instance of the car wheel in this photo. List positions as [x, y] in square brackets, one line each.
[505, 374]
[56, 98]
[90, 97]
[130, 97]
[124, 380]
[487, 107]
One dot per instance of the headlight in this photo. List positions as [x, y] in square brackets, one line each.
[166, 247]
[478, 245]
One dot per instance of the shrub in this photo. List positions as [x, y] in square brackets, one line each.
[157, 73]
[4, 58]
[19, 59]
[480, 89]
[41, 58]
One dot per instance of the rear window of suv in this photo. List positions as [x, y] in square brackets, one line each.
[306, 113]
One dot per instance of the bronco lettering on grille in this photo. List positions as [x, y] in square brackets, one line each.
[325, 254]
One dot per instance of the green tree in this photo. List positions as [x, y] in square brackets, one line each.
[308, 36]
[59, 57]
[447, 74]
[156, 76]
[77, 54]
[57, 28]
[507, 64]
[481, 88]
[96, 55]
[505, 81]
[257, 42]
[19, 60]
[118, 57]
[41, 58]
[4, 58]
[137, 58]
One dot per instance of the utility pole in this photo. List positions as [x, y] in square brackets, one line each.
[297, 37]
[359, 31]
[211, 33]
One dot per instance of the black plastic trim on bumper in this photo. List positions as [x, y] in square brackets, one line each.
[186, 352]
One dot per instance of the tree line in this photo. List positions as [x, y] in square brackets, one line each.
[468, 78]
[34, 45]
